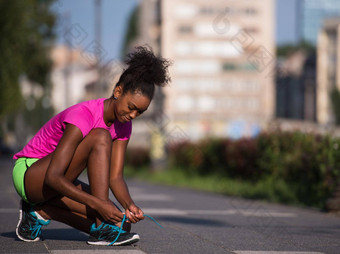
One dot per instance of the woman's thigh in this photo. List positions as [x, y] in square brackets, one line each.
[36, 189]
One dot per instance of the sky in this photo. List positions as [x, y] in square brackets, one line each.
[77, 20]
[285, 21]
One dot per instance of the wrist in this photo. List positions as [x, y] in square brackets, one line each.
[93, 203]
[130, 205]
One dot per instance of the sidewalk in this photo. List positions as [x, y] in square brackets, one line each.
[58, 238]
[194, 222]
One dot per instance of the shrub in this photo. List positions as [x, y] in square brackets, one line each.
[137, 157]
[240, 159]
[307, 163]
[186, 155]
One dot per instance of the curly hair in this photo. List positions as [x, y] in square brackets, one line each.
[144, 72]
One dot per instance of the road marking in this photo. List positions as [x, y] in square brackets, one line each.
[152, 197]
[7, 191]
[165, 211]
[276, 252]
[110, 250]
[9, 210]
[265, 213]
[247, 213]
[213, 212]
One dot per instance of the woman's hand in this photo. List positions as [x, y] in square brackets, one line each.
[134, 213]
[109, 212]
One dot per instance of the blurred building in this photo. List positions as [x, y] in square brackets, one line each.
[75, 78]
[224, 56]
[70, 75]
[328, 69]
[296, 86]
[311, 15]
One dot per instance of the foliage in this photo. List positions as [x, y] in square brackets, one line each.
[335, 99]
[38, 116]
[137, 157]
[290, 167]
[131, 31]
[286, 50]
[26, 27]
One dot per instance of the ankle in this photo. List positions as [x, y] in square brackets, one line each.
[98, 222]
[42, 215]
[127, 227]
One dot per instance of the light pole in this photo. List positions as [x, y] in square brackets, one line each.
[98, 35]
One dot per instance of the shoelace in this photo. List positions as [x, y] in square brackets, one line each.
[119, 231]
[123, 221]
[146, 215]
[36, 230]
[36, 226]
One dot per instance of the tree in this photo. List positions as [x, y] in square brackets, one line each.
[131, 32]
[335, 99]
[286, 50]
[26, 29]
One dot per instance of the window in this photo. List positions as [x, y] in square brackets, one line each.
[185, 29]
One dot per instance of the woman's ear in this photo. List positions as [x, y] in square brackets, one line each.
[118, 91]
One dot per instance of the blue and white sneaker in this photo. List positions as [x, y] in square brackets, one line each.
[29, 226]
[108, 234]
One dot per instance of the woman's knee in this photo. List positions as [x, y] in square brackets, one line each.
[101, 138]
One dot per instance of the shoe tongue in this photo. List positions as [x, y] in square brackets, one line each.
[94, 227]
[105, 224]
[116, 228]
[44, 222]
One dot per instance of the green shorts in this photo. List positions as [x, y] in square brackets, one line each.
[19, 170]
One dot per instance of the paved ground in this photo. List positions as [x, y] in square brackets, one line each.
[194, 222]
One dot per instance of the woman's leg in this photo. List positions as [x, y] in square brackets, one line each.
[82, 216]
[94, 153]
[68, 211]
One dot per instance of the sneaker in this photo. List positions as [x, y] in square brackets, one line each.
[108, 234]
[29, 226]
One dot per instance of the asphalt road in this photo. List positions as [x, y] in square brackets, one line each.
[194, 222]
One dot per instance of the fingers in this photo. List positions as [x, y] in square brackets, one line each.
[110, 213]
[112, 218]
[117, 215]
[133, 218]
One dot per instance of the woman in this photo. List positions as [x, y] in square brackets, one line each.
[92, 135]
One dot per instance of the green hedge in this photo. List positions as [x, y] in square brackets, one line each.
[307, 163]
[296, 167]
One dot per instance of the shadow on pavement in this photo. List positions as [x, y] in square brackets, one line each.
[54, 234]
[10, 235]
[193, 221]
[64, 234]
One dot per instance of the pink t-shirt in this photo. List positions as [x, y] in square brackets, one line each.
[86, 116]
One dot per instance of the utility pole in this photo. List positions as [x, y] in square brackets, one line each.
[68, 66]
[98, 35]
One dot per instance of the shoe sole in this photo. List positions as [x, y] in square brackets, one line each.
[132, 240]
[17, 229]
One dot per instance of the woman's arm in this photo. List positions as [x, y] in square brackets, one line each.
[55, 175]
[117, 183]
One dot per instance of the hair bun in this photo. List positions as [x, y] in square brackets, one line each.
[147, 67]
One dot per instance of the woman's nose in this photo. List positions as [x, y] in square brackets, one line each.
[133, 114]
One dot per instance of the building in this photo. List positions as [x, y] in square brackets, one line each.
[70, 74]
[311, 15]
[296, 86]
[223, 72]
[75, 78]
[328, 69]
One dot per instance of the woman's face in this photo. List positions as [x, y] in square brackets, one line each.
[130, 105]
